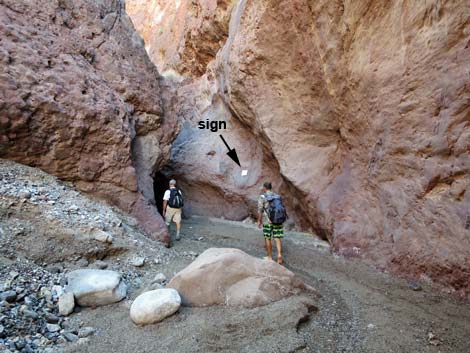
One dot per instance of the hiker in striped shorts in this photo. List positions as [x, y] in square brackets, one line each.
[271, 215]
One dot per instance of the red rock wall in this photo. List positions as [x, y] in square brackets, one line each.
[378, 122]
[79, 96]
[182, 36]
[359, 112]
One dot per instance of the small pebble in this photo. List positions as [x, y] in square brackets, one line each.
[53, 328]
[70, 337]
[86, 332]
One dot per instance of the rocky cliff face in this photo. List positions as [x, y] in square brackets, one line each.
[182, 36]
[359, 112]
[80, 99]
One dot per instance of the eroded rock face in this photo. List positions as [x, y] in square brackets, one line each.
[181, 36]
[377, 122]
[79, 98]
[359, 114]
[213, 183]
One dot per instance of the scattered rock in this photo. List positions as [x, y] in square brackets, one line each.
[73, 209]
[29, 313]
[83, 340]
[51, 318]
[101, 236]
[86, 332]
[67, 325]
[70, 337]
[156, 286]
[54, 268]
[101, 264]
[53, 327]
[25, 195]
[57, 291]
[9, 296]
[159, 278]
[66, 303]
[14, 275]
[96, 287]
[416, 286]
[138, 261]
[82, 262]
[20, 344]
[154, 306]
[433, 339]
[32, 276]
[34, 312]
[61, 340]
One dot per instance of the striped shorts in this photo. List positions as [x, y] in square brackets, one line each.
[273, 230]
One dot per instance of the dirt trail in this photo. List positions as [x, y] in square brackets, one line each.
[361, 309]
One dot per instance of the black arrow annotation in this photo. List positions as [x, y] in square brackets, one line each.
[232, 153]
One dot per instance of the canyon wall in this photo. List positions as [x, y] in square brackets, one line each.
[79, 98]
[181, 36]
[359, 112]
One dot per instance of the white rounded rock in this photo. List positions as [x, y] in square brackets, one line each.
[66, 303]
[154, 306]
[96, 287]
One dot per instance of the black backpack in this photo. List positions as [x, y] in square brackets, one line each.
[276, 212]
[176, 198]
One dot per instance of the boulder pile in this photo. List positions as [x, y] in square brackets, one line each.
[30, 317]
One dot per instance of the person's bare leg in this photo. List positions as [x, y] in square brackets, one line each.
[178, 227]
[279, 250]
[269, 248]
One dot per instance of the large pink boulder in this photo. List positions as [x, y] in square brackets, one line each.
[232, 277]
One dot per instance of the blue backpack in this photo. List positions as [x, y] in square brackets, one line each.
[276, 212]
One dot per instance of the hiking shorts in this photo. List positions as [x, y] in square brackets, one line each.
[172, 214]
[273, 230]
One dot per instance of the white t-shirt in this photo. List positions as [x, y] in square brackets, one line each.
[166, 196]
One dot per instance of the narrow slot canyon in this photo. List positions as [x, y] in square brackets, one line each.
[357, 113]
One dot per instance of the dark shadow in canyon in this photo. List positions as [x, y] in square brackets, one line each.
[160, 185]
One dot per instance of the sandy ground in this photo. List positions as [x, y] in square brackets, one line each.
[361, 309]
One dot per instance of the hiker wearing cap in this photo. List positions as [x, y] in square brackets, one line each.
[271, 215]
[172, 205]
